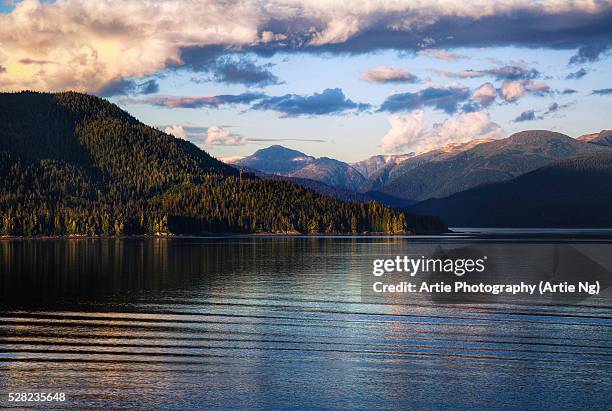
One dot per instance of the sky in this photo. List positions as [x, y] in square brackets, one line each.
[340, 79]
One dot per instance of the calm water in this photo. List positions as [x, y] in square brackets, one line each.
[278, 323]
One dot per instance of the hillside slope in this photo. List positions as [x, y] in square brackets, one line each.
[575, 192]
[76, 164]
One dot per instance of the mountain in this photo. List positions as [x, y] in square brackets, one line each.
[575, 192]
[603, 138]
[318, 186]
[421, 178]
[392, 170]
[371, 165]
[73, 164]
[276, 160]
[292, 163]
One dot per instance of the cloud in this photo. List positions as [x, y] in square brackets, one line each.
[569, 91]
[330, 101]
[576, 75]
[409, 132]
[176, 131]
[554, 107]
[513, 73]
[528, 115]
[124, 87]
[485, 94]
[267, 140]
[219, 136]
[241, 70]
[198, 102]
[95, 43]
[441, 54]
[459, 74]
[603, 91]
[500, 73]
[385, 74]
[513, 90]
[590, 53]
[444, 98]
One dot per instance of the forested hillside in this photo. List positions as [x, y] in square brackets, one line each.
[71, 163]
[576, 192]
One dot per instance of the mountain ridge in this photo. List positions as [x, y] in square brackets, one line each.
[493, 161]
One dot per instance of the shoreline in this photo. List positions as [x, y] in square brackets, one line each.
[213, 235]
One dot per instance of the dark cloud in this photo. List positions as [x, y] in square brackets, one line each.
[577, 75]
[330, 101]
[500, 73]
[199, 102]
[590, 52]
[200, 58]
[554, 107]
[242, 70]
[569, 29]
[446, 99]
[125, 87]
[603, 91]
[569, 91]
[528, 115]
[148, 87]
[227, 66]
[471, 107]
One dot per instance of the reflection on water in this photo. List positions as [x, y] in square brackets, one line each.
[277, 323]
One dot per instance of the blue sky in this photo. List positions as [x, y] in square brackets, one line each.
[312, 86]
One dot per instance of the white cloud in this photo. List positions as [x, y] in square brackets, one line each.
[485, 94]
[513, 90]
[459, 74]
[386, 74]
[441, 54]
[410, 133]
[220, 136]
[85, 45]
[176, 131]
[231, 159]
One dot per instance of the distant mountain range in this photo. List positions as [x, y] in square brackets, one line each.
[404, 179]
[488, 162]
[575, 192]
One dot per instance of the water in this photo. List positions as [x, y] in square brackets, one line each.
[278, 323]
